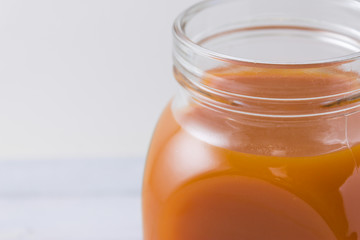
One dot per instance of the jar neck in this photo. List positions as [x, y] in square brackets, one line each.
[224, 92]
[284, 87]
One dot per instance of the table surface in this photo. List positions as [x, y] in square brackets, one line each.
[71, 200]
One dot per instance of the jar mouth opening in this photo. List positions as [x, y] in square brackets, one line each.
[196, 46]
[283, 59]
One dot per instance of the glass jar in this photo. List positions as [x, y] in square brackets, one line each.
[263, 139]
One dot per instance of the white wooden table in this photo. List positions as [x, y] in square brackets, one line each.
[70, 200]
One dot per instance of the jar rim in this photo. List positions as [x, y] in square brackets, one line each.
[180, 34]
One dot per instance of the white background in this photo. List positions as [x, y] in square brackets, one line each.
[82, 84]
[83, 79]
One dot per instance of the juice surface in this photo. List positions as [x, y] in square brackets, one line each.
[211, 177]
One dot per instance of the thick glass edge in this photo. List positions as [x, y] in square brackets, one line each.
[180, 35]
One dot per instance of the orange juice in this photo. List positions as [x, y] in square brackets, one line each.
[214, 175]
